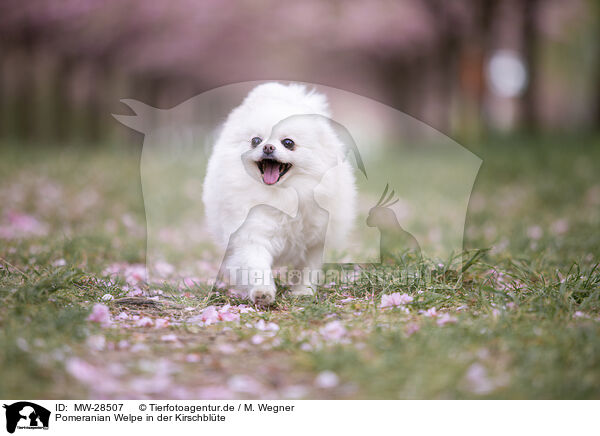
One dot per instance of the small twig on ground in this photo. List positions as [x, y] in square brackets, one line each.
[14, 267]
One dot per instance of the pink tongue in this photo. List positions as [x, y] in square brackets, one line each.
[271, 172]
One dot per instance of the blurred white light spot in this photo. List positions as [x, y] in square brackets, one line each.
[507, 73]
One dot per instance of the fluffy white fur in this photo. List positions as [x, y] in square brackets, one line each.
[265, 226]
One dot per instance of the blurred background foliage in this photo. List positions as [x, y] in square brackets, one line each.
[465, 67]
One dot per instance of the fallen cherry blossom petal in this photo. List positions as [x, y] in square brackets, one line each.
[214, 393]
[161, 323]
[229, 316]
[446, 319]
[477, 380]
[226, 348]
[190, 282]
[394, 300]
[412, 328]
[245, 384]
[264, 326]
[144, 322]
[100, 314]
[210, 315]
[245, 309]
[96, 342]
[164, 269]
[333, 330]
[138, 347]
[432, 312]
[123, 344]
[327, 380]
[192, 358]
[82, 371]
[135, 293]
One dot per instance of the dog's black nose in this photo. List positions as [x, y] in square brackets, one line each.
[268, 149]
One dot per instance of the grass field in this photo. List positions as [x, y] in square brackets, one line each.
[523, 323]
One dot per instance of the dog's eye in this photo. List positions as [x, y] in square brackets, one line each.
[287, 143]
[255, 141]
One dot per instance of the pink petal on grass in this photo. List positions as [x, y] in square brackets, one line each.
[123, 344]
[210, 315]
[161, 323]
[266, 326]
[96, 342]
[535, 232]
[477, 380]
[245, 309]
[20, 224]
[193, 358]
[228, 313]
[432, 312]
[412, 329]
[214, 393]
[560, 227]
[327, 380]
[228, 316]
[135, 292]
[138, 347]
[135, 273]
[144, 322]
[446, 319]
[394, 300]
[190, 282]
[226, 348]
[333, 331]
[164, 269]
[82, 371]
[244, 383]
[100, 314]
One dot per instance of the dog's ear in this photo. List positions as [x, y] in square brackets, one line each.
[349, 145]
[144, 117]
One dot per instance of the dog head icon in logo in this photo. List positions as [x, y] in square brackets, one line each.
[26, 415]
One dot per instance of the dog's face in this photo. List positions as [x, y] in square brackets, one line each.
[282, 136]
[275, 149]
[295, 146]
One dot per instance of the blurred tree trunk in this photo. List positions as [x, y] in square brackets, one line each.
[530, 54]
[395, 76]
[24, 93]
[63, 106]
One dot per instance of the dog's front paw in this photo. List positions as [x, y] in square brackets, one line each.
[300, 290]
[263, 295]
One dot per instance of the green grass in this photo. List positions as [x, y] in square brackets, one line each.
[524, 318]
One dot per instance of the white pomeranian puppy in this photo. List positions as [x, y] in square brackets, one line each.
[278, 185]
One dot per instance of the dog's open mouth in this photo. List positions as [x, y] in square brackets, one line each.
[272, 170]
